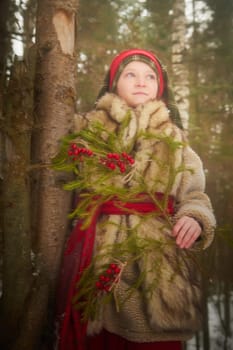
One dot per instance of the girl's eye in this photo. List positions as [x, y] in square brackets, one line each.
[151, 77]
[130, 74]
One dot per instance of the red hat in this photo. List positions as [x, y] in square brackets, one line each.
[145, 55]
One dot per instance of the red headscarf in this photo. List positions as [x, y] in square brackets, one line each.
[146, 55]
[165, 92]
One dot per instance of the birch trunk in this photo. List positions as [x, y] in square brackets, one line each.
[179, 66]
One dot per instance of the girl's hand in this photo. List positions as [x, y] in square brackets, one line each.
[186, 231]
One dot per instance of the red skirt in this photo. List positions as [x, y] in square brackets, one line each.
[110, 341]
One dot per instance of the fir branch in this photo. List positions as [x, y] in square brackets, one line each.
[135, 248]
[98, 183]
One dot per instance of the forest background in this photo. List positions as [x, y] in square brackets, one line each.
[63, 51]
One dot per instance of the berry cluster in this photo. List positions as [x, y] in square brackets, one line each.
[108, 278]
[112, 160]
[115, 160]
[77, 152]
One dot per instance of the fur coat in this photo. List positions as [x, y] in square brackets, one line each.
[172, 310]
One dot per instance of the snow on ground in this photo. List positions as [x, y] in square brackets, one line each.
[218, 340]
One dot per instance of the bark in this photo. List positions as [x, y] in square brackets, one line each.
[55, 106]
[5, 46]
[206, 335]
[29, 286]
[17, 268]
[29, 18]
[179, 67]
[55, 98]
[194, 66]
[227, 313]
[4, 38]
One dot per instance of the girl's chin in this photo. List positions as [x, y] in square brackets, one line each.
[139, 101]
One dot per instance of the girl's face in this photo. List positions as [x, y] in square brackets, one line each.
[137, 84]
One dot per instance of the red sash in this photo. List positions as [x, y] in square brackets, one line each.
[77, 257]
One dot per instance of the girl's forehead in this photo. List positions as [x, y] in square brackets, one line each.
[138, 65]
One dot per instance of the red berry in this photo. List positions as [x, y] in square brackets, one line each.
[89, 152]
[112, 166]
[113, 266]
[132, 161]
[74, 145]
[116, 156]
[98, 285]
[102, 278]
[117, 270]
[70, 152]
[106, 288]
[109, 271]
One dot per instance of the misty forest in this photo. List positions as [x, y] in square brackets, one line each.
[53, 57]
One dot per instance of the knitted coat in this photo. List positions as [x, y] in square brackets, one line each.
[172, 309]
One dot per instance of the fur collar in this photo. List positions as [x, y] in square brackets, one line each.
[153, 113]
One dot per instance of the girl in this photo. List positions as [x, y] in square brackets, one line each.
[130, 265]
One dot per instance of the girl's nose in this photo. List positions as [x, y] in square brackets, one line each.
[140, 81]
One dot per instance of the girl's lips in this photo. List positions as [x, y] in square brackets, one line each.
[140, 93]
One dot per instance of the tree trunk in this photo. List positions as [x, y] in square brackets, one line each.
[206, 335]
[55, 106]
[29, 18]
[179, 68]
[55, 98]
[29, 286]
[17, 268]
[4, 39]
[5, 47]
